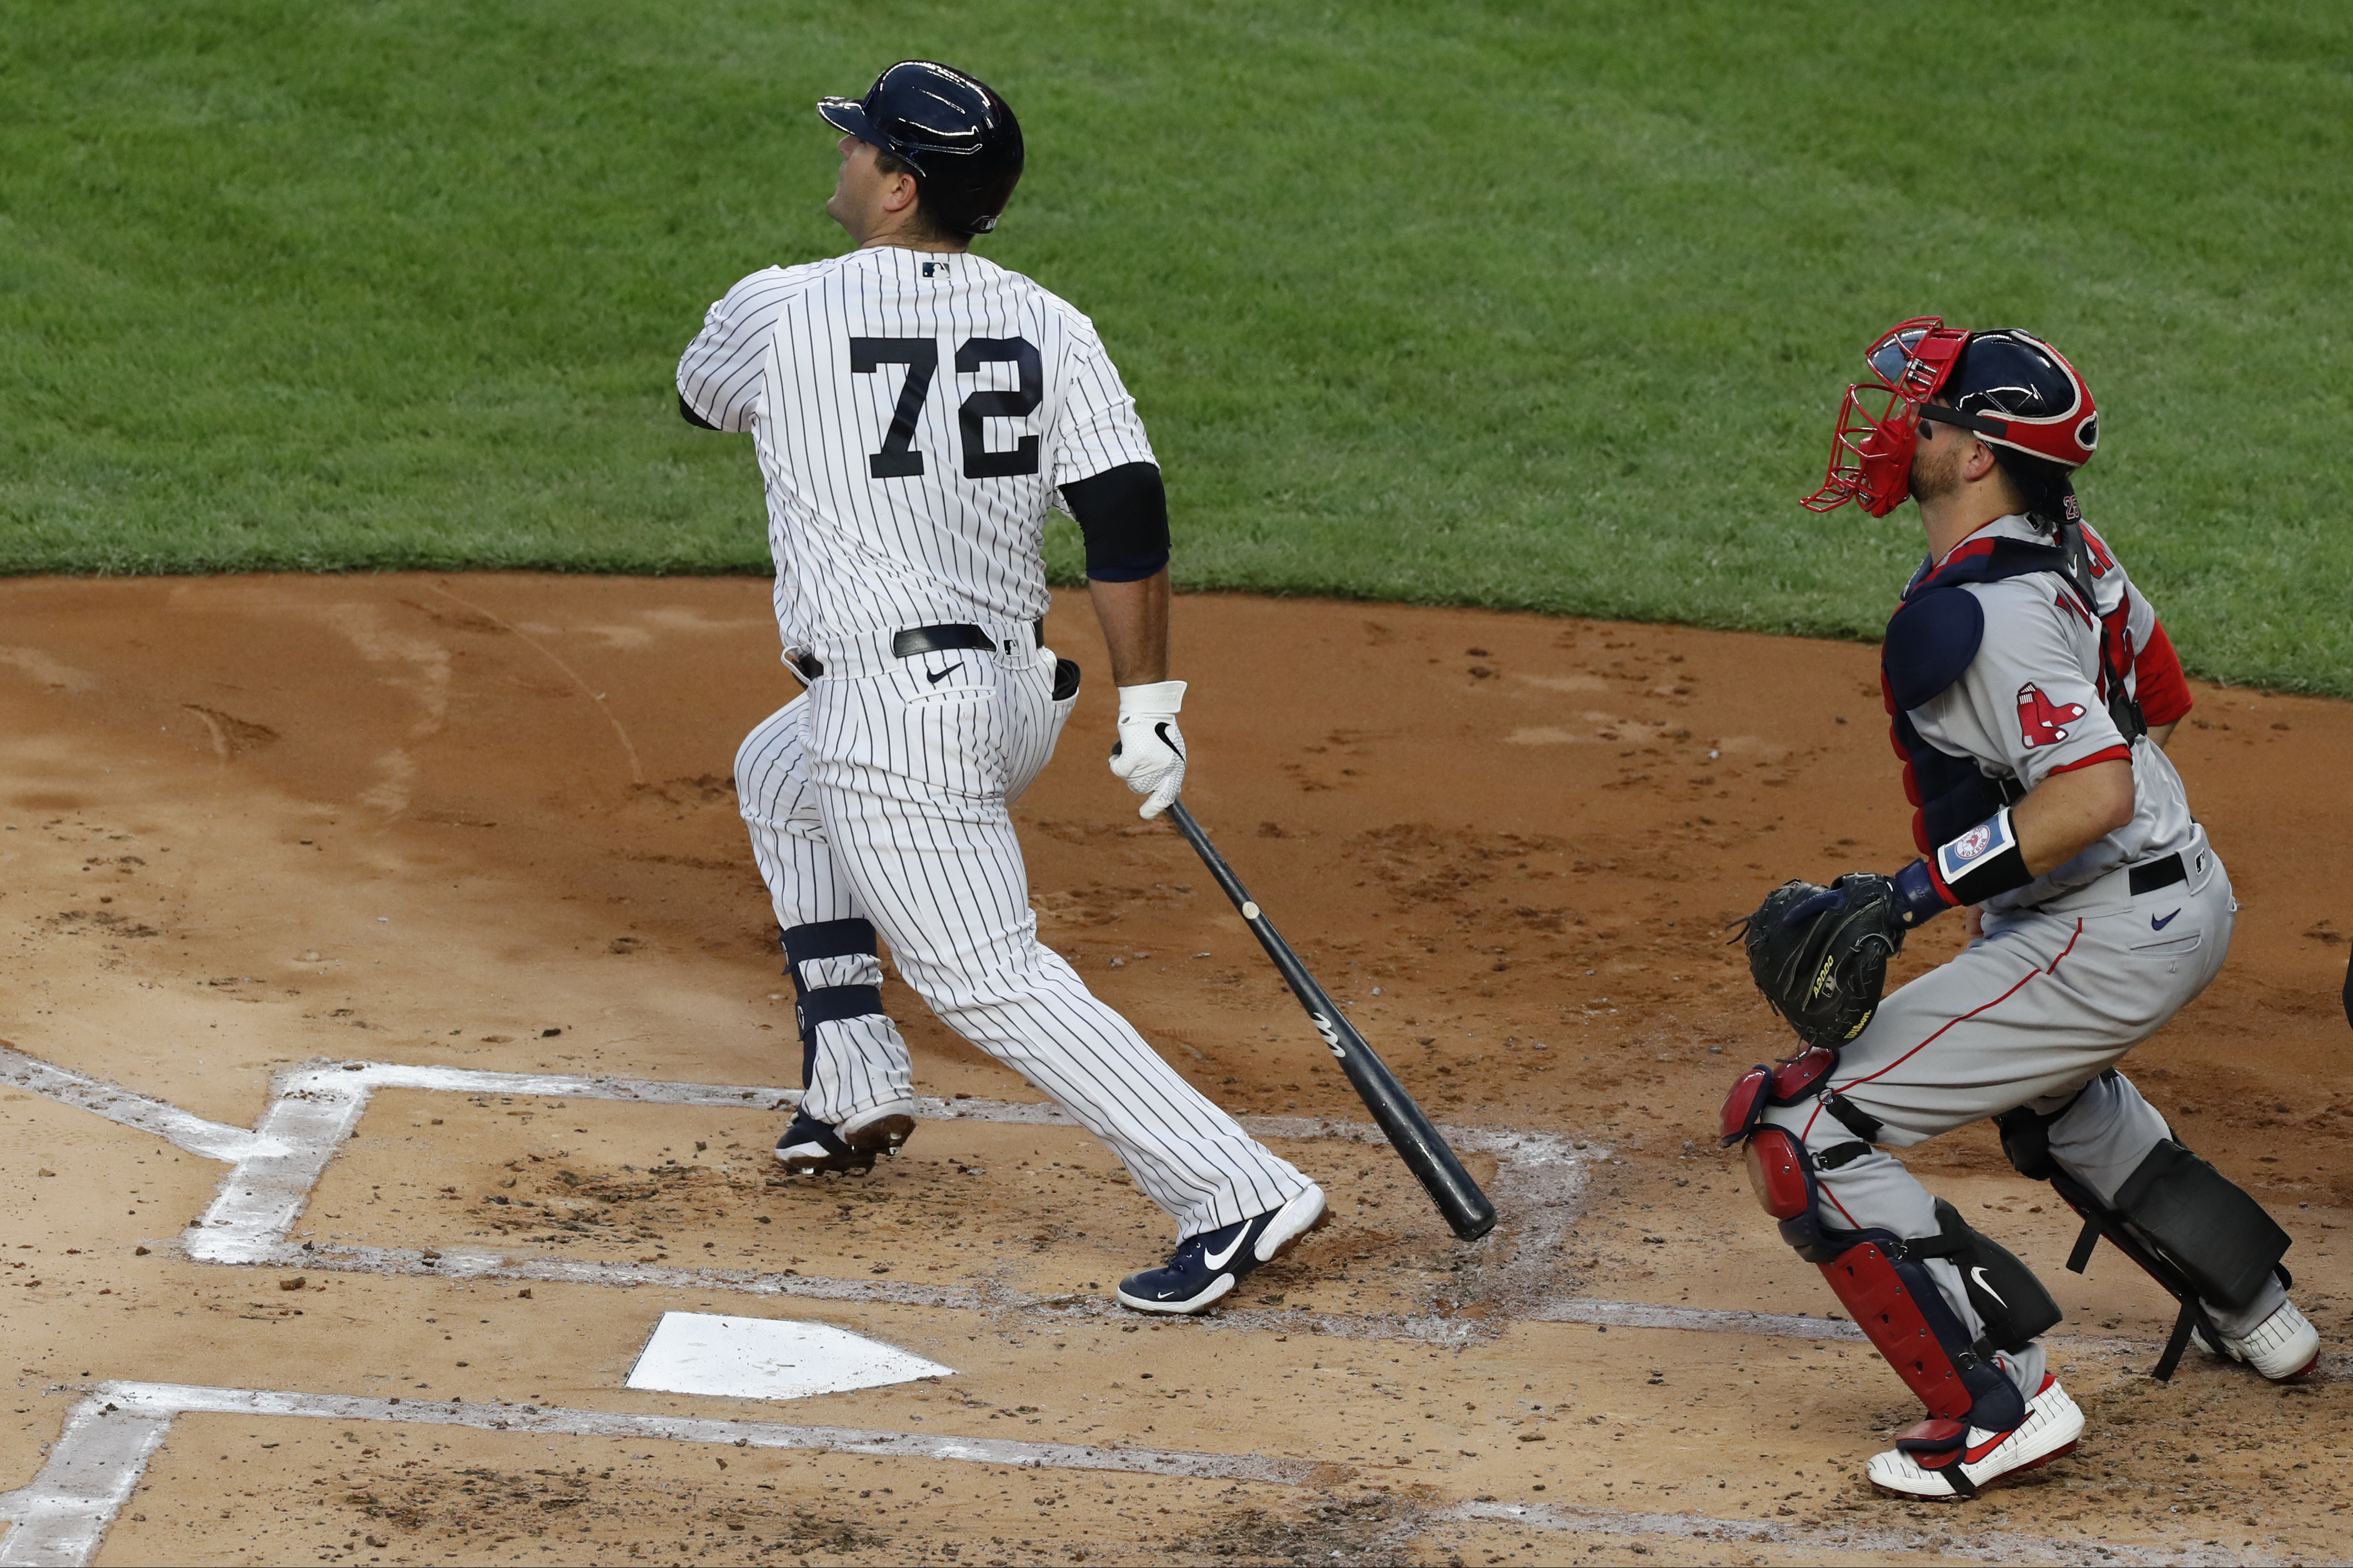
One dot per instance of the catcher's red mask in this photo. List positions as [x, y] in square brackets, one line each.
[1870, 452]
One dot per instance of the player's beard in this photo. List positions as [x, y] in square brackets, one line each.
[1936, 466]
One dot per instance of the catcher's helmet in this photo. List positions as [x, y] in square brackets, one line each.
[952, 129]
[2009, 386]
[2015, 390]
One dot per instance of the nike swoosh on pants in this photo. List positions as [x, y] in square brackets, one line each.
[2157, 924]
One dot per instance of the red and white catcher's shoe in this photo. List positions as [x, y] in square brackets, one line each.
[2051, 1426]
[2283, 1347]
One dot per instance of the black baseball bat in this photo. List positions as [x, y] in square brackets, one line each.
[1466, 1209]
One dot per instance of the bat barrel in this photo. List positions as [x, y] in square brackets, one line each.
[1466, 1210]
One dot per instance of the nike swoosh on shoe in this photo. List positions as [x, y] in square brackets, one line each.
[1219, 1259]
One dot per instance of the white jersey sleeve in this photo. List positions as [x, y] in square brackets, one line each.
[722, 375]
[1099, 429]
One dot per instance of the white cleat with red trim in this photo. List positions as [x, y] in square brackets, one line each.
[2283, 1347]
[2053, 1425]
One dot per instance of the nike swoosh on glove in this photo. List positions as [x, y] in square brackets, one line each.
[1150, 755]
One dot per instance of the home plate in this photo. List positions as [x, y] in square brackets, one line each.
[768, 1357]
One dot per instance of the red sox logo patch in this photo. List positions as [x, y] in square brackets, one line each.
[2041, 721]
[1970, 845]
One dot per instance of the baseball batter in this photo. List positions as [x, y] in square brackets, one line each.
[916, 410]
[2031, 689]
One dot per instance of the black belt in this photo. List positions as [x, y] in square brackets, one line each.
[913, 640]
[941, 639]
[2148, 877]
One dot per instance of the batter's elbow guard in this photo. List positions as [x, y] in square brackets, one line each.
[1122, 516]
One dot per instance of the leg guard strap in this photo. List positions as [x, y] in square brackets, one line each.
[1899, 1308]
[2008, 1299]
[2026, 1136]
[815, 1004]
[828, 938]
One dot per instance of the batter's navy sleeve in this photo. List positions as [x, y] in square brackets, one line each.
[686, 411]
[1122, 515]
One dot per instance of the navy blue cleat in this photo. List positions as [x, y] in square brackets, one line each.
[1207, 1267]
[810, 1146]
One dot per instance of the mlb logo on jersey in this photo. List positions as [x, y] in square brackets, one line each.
[1989, 838]
[2041, 721]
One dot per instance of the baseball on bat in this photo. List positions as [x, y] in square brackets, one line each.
[1466, 1209]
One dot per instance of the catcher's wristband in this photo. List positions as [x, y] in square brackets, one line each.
[1971, 867]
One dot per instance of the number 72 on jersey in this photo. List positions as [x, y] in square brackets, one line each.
[899, 458]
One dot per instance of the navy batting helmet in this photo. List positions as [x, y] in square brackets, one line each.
[952, 129]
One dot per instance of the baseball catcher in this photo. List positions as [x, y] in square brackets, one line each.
[2030, 689]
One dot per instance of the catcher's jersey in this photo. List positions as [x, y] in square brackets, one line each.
[915, 415]
[2031, 703]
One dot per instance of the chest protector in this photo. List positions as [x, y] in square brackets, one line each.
[1933, 638]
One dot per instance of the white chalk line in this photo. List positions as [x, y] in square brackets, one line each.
[111, 1433]
[184, 1129]
[1961, 1540]
[314, 1110]
[109, 1436]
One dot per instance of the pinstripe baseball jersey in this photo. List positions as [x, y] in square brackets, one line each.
[916, 413]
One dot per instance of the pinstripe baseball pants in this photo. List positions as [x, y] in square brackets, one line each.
[884, 796]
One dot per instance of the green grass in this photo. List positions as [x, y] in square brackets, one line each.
[1544, 306]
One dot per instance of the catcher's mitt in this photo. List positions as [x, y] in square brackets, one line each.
[1819, 954]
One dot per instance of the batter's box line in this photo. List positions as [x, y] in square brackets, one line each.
[315, 1108]
[111, 1433]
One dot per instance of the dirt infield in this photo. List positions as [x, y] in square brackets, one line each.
[482, 826]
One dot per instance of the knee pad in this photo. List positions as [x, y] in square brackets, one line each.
[2204, 1224]
[1781, 1174]
[1880, 1280]
[815, 1004]
[1783, 1084]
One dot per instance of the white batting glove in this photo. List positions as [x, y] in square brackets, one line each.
[1149, 754]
